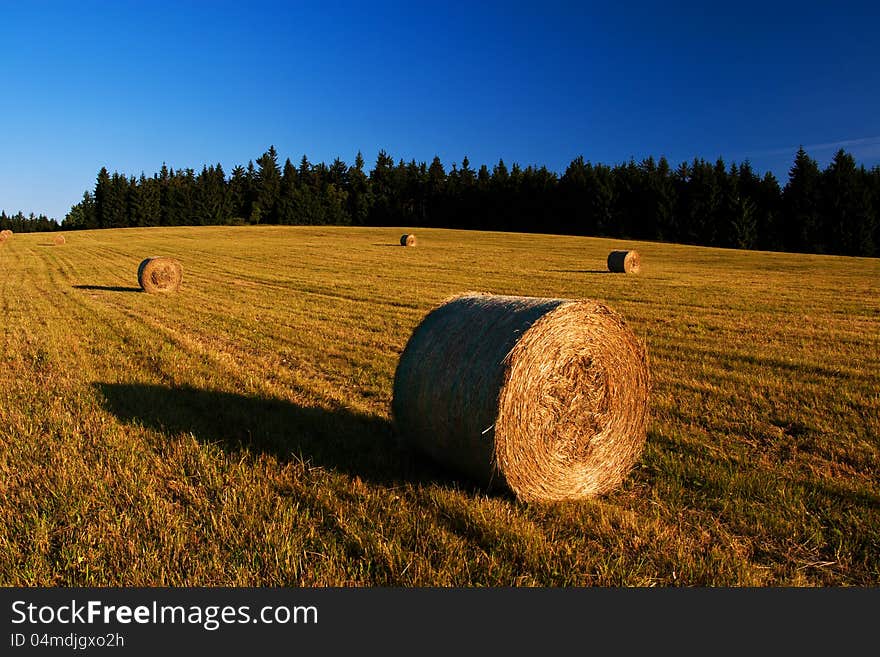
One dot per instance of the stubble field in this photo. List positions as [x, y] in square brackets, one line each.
[238, 432]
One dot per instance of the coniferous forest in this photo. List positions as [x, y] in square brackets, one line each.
[835, 210]
[19, 223]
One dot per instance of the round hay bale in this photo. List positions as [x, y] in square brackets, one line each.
[407, 240]
[628, 262]
[548, 397]
[160, 274]
[6, 233]
[58, 240]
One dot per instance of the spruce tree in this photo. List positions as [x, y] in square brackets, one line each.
[267, 186]
[382, 189]
[102, 190]
[802, 222]
[359, 198]
[847, 225]
[238, 192]
[287, 194]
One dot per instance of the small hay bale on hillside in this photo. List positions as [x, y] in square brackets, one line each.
[160, 274]
[407, 240]
[59, 240]
[5, 234]
[548, 397]
[628, 262]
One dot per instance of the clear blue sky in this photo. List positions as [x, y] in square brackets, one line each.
[130, 85]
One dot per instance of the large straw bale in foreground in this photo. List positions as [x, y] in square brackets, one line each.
[408, 240]
[546, 396]
[629, 262]
[160, 274]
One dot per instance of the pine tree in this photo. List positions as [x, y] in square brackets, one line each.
[846, 208]
[267, 187]
[251, 209]
[115, 207]
[150, 200]
[238, 192]
[287, 194]
[134, 202]
[337, 174]
[81, 215]
[627, 182]
[765, 196]
[703, 200]
[359, 198]
[102, 190]
[873, 184]
[221, 204]
[573, 198]
[164, 196]
[802, 224]
[382, 189]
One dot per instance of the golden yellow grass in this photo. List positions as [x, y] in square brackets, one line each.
[238, 432]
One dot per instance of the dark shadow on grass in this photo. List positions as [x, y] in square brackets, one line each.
[398, 244]
[108, 288]
[581, 271]
[337, 439]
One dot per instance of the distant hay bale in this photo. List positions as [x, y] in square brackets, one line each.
[548, 397]
[160, 274]
[59, 239]
[407, 240]
[629, 262]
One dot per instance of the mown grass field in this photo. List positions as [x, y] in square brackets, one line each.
[238, 432]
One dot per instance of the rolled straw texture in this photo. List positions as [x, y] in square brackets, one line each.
[59, 239]
[160, 274]
[548, 397]
[629, 262]
[407, 240]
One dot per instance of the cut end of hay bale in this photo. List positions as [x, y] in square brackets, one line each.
[158, 274]
[407, 240]
[59, 239]
[624, 262]
[548, 397]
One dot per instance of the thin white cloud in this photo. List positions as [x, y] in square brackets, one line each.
[858, 144]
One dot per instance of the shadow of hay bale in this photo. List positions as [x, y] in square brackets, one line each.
[107, 288]
[336, 439]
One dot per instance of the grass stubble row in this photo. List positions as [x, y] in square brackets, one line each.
[744, 479]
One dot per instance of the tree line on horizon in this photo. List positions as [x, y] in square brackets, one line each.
[19, 223]
[835, 210]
